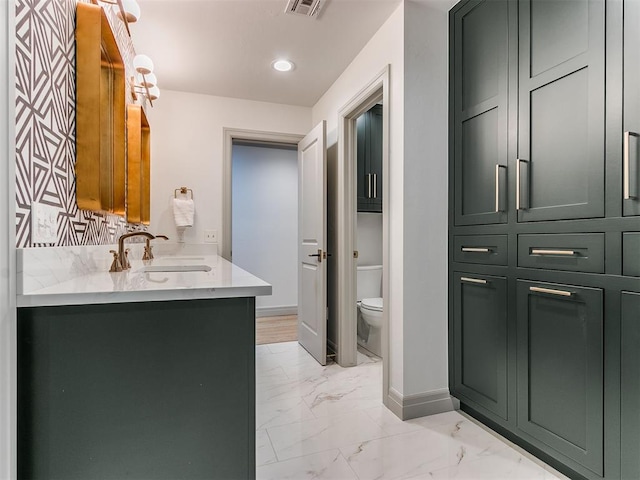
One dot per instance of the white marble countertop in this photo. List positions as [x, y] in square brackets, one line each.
[79, 275]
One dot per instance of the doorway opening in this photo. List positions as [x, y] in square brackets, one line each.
[260, 223]
[345, 229]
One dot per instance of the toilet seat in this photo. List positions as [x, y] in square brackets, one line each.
[373, 304]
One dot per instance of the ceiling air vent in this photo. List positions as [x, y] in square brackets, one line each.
[308, 8]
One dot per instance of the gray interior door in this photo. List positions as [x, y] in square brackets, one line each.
[631, 118]
[560, 165]
[480, 340]
[560, 369]
[480, 112]
[630, 397]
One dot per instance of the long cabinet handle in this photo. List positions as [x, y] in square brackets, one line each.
[551, 291]
[479, 281]
[539, 251]
[476, 249]
[520, 205]
[368, 176]
[499, 207]
[627, 167]
[375, 185]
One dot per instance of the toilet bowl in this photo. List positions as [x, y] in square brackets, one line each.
[370, 307]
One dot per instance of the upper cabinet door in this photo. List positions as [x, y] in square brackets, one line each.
[631, 118]
[479, 111]
[560, 166]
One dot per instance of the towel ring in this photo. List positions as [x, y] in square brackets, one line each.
[182, 191]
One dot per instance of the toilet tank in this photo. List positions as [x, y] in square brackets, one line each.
[369, 280]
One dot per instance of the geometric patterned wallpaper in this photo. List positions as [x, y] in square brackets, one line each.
[45, 122]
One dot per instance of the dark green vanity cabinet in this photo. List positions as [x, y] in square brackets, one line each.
[480, 337]
[154, 390]
[369, 158]
[544, 189]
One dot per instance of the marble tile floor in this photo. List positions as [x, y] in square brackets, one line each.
[316, 422]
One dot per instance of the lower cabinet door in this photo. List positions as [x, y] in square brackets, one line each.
[630, 391]
[480, 336]
[560, 369]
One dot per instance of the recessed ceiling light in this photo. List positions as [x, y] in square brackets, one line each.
[283, 65]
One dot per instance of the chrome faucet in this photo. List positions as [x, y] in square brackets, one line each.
[148, 250]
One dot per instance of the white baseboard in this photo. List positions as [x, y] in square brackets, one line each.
[421, 404]
[280, 311]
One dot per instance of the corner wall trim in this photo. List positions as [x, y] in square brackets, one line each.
[421, 404]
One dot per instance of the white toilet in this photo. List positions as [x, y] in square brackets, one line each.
[369, 296]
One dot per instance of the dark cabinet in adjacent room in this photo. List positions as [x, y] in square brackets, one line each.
[480, 342]
[369, 158]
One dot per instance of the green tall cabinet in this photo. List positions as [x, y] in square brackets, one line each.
[544, 227]
[369, 160]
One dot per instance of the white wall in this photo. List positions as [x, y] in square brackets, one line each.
[187, 145]
[425, 199]
[265, 219]
[8, 450]
[414, 42]
[386, 47]
[369, 239]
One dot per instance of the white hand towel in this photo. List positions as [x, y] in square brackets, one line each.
[183, 210]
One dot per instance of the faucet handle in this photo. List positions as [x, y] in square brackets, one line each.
[115, 265]
[125, 260]
[148, 254]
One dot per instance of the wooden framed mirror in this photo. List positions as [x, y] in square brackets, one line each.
[100, 114]
[138, 166]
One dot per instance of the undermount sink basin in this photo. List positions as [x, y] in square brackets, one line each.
[174, 268]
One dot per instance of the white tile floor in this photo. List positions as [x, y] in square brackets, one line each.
[316, 422]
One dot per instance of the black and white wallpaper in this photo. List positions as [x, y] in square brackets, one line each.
[45, 122]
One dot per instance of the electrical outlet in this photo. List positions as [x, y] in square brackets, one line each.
[210, 236]
[44, 223]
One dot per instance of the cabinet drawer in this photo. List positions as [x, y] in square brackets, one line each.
[576, 252]
[485, 249]
[631, 254]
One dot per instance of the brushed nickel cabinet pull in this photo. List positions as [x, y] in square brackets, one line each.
[626, 167]
[536, 251]
[551, 291]
[375, 185]
[517, 184]
[498, 207]
[476, 249]
[519, 202]
[368, 185]
[474, 280]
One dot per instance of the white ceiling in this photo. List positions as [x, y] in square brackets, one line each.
[225, 47]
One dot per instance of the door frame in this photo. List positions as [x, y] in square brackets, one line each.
[8, 310]
[231, 134]
[373, 92]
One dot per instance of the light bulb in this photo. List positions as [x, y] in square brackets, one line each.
[154, 93]
[131, 9]
[148, 80]
[283, 65]
[143, 64]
